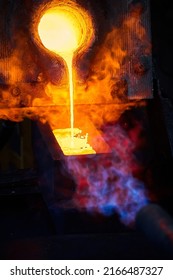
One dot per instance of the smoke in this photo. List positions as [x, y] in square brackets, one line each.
[105, 182]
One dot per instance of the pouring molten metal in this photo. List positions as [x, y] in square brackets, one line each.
[65, 30]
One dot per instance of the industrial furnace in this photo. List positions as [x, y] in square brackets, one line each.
[82, 72]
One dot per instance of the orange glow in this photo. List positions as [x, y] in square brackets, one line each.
[62, 32]
[65, 29]
[87, 140]
[100, 93]
[108, 66]
[80, 143]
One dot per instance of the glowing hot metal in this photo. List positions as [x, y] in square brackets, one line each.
[81, 145]
[63, 31]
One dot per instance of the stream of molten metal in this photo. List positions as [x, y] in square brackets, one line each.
[61, 31]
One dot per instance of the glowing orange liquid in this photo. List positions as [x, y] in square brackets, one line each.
[61, 34]
[69, 62]
[62, 30]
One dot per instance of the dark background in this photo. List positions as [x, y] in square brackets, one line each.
[162, 42]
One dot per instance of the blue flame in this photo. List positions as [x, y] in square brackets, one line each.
[105, 183]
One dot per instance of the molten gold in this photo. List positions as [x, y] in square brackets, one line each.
[63, 30]
[80, 145]
[59, 32]
[66, 29]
